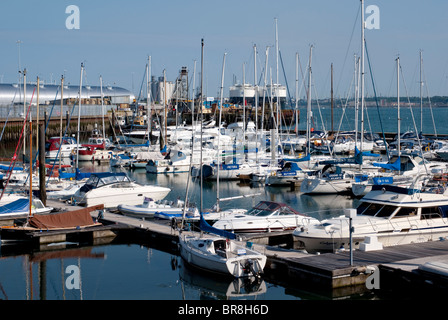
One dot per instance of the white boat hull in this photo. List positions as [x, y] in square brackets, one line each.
[233, 265]
[113, 197]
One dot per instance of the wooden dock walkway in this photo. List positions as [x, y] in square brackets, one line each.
[326, 270]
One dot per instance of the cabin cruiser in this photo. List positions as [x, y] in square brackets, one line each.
[115, 188]
[54, 149]
[289, 171]
[266, 216]
[392, 214]
[331, 179]
[400, 170]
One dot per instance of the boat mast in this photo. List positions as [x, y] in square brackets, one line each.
[148, 101]
[398, 105]
[297, 95]
[24, 113]
[332, 101]
[102, 111]
[265, 88]
[201, 107]
[256, 103]
[79, 115]
[164, 107]
[308, 111]
[362, 73]
[60, 133]
[219, 132]
[244, 107]
[278, 81]
[421, 96]
[31, 165]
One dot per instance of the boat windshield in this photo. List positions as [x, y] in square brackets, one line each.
[263, 209]
[96, 181]
[375, 210]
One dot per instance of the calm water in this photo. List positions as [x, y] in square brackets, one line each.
[132, 271]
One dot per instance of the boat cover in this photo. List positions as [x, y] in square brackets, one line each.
[390, 166]
[17, 206]
[204, 226]
[69, 219]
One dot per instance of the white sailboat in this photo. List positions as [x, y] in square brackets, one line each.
[221, 254]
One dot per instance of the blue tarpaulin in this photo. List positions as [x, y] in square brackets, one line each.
[17, 206]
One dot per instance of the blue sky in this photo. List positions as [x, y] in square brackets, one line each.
[115, 38]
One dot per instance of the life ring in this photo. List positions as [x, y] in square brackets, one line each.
[427, 149]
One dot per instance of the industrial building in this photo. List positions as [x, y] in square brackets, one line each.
[14, 93]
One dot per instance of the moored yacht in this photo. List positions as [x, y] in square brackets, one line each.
[115, 188]
[393, 214]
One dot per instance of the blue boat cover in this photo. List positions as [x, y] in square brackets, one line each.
[17, 206]
[204, 226]
[390, 166]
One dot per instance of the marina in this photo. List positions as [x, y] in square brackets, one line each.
[256, 192]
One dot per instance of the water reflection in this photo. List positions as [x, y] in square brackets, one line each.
[202, 286]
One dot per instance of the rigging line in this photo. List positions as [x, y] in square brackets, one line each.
[60, 146]
[348, 47]
[14, 158]
[7, 117]
[376, 101]
[46, 126]
[429, 100]
[413, 120]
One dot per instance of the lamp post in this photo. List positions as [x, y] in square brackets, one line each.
[350, 214]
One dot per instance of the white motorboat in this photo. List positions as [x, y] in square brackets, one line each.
[149, 208]
[115, 188]
[392, 214]
[176, 161]
[330, 180]
[266, 216]
[400, 171]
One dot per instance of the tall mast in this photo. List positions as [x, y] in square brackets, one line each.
[256, 102]
[332, 102]
[201, 106]
[24, 113]
[308, 111]
[37, 115]
[79, 115]
[148, 101]
[244, 106]
[265, 88]
[421, 95]
[398, 105]
[362, 73]
[297, 94]
[277, 80]
[102, 110]
[165, 107]
[62, 102]
[219, 132]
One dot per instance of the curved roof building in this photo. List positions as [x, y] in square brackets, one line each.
[13, 93]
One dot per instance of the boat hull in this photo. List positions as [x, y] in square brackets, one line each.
[113, 197]
[235, 266]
